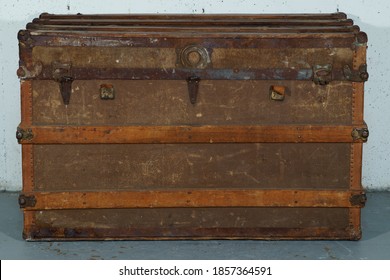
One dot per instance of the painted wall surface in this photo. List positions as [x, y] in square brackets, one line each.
[373, 17]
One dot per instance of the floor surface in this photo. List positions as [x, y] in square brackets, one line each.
[375, 243]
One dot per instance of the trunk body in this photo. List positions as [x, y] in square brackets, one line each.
[192, 127]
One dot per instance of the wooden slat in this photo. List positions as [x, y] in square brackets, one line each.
[227, 29]
[308, 16]
[27, 152]
[194, 233]
[355, 223]
[356, 166]
[189, 134]
[199, 21]
[190, 198]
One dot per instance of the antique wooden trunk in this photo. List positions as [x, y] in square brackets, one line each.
[192, 126]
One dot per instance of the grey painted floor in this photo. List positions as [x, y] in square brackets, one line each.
[375, 243]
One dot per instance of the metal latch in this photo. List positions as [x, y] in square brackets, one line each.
[277, 93]
[360, 75]
[62, 74]
[322, 74]
[107, 92]
[24, 134]
[358, 199]
[360, 134]
[193, 86]
[27, 201]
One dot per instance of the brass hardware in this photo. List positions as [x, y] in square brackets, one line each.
[62, 74]
[22, 134]
[194, 57]
[193, 85]
[358, 199]
[27, 201]
[322, 74]
[107, 92]
[360, 134]
[277, 93]
[360, 75]
[361, 40]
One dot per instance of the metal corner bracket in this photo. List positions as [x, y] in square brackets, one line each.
[27, 201]
[358, 199]
[360, 134]
[24, 134]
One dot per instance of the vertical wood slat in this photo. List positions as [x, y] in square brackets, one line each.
[357, 148]
[27, 152]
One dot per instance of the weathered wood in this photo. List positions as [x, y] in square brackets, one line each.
[189, 134]
[191, 198]
[199, 21]
[229, 29]
[308, 16]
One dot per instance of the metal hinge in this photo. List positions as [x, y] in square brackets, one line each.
[360, 75]
[24, 134]
[27, 201]
[358, 199]
[360, 134]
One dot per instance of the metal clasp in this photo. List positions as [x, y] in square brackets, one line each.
[193, 86]
[360, 75]
[277, 93]
[107, 92]
[62, 74]
[322, 74]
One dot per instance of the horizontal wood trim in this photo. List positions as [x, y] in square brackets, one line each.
[198, 233]
[190, 198]
[309, 16]
[200, 21]
[227, 29]
[188, 134]
[211, 39]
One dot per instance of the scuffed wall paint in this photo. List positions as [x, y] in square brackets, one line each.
[371, 16]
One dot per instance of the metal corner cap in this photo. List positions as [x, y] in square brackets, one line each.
[362, 37]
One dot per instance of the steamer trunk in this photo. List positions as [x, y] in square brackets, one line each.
[192, 126]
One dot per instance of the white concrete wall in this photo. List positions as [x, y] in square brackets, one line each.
[372, 16]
